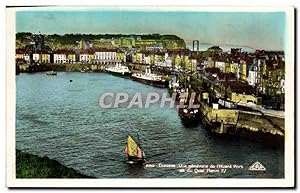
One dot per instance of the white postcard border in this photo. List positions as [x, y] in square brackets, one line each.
[288, 181]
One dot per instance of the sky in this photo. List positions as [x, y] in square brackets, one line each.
[259, 30]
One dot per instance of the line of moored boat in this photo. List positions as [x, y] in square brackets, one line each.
[123, 71]
[147, 77]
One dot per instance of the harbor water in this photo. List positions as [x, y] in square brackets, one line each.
[64, 121]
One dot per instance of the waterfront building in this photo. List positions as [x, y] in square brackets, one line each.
[27, 58]
[233, 67]
[169, 61]
[83, 57]
[59, 57]
[147, 59]
[86, 56]
[91, 57]
[137, 58]
[211, 63]
[71, 56]
[178, 60]
[20, 54]
[193, 64]
[220, 65]
[274, 78]
[186, 62]
[256, 72]
[253, 75]
[108, 56]
[240, 92]
[244, 71]
[45, 58]
[121, 56]
[142, 57]
[105, 54]
[158, 57]
[35, 57]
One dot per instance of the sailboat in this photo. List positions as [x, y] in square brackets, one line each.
[133, 151]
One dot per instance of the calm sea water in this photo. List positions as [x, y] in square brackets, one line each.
[64, 121]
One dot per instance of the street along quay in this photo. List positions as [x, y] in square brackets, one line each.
[223, 116]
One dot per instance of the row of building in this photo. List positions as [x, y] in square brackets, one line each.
[244, 78]
[265, 72]
[93, 56]
[180, 58]
[261, 69]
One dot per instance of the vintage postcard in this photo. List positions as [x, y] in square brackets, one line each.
[157, 96]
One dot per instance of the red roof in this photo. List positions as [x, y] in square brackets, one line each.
[64, 51]
[240, 87]
[20, 51]
[103, 50]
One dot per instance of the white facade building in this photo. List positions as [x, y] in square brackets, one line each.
[147, 60]
[110, 55]
[253, 77]
[26, 57]
[168, 61]
[83, 57]
[59, 58]
[35, 57]
[220, 65]
[194, 64]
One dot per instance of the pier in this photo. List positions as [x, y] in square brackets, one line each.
[254, 125]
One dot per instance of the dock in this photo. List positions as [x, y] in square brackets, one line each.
[253, 124]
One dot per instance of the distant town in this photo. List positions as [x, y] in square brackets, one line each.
[256, 77]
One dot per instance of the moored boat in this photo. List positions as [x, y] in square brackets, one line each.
[150, 78]
[173, 85]
[51, 73]
[119, 70]
[189, 108]
[133, 151]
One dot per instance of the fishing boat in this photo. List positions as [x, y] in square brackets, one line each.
[150, 78]
[133, 151]
[51, 73]
[119, 70]
[188, 110]
[173, 85]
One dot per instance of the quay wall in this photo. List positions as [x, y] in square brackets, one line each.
[243, 123]
[76, 67]
[227, 116]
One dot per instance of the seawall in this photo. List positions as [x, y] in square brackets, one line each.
[253, 125]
